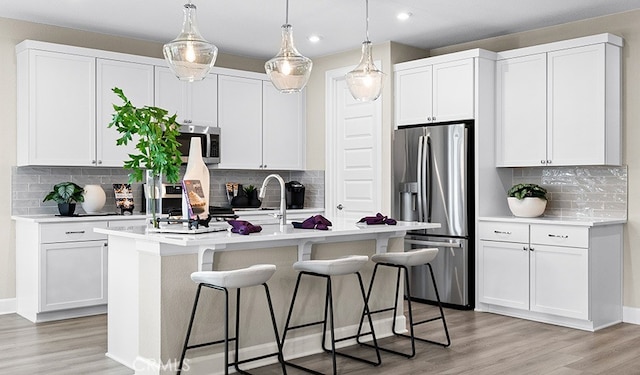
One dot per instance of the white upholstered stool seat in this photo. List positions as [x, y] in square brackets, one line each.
[407, 259]
[240, 278]
[333, 267]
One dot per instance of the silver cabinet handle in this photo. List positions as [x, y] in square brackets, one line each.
[428, 118]
[501, 232]
[93, 161]
[340, 206]
[99, 162]
[524, 248]
[75, 232]
[558, 235]
[548, 161]
[543, 161]
[434, 118]
[531, 249]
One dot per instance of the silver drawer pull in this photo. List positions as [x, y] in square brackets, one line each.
[75, 232]
[501, 232]
[558, 236]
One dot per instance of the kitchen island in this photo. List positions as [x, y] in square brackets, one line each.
[151, 293]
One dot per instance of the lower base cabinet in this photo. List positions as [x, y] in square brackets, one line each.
[561, 274]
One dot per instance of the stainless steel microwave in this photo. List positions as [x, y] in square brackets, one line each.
[209, 137]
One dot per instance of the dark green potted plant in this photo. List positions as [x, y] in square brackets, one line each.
[252, 194]
[66, 194]
[159, 153]
[527, 200]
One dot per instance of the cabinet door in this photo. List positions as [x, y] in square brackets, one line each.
[202, 100]
[504, 274]
[170, 93]
[560, 281]
[576, 116]
[453, 91]
[283, 132]
[240, 121]
[73, 274]
[136, 81]
[521, 111]
[61, 109]
[413, 89]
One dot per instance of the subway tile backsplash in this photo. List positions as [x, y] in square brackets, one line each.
[31, 184]
[580, 192]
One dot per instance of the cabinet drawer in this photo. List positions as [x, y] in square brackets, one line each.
[560, 235]
[67, 232]
[505, 232]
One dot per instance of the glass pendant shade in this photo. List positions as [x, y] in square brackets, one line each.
[190, 56]
[289, 71]
[365, 81]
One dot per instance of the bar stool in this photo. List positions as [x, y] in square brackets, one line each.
[326, 269]
[223, 281]
[401, 261]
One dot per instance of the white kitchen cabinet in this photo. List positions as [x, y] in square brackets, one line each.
[136, 81]
[283, 131]
[194, 102]
[560, 106]
[434, 92]
[561, 274]
[56, 108]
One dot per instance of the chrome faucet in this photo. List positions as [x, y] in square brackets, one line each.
[283, 200]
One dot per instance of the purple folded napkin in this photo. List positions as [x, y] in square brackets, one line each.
[314, 222]
[378, 219]
[243, 227]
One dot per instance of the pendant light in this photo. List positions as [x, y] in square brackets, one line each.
[365, 81]
[189, 55]
[289, 71]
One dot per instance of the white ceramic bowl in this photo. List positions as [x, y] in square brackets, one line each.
[527, 207]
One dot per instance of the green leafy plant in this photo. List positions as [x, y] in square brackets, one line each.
[157, 144]
[249, 189]
[65, 192]
[522, 191]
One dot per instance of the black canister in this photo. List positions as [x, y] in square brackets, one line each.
[295, 194]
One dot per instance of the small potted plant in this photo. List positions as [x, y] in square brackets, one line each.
[252, 194]
[66, 194]
[527, 200]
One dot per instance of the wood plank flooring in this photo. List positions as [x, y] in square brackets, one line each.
[482, 343]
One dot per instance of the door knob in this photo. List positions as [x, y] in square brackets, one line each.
[340, 206]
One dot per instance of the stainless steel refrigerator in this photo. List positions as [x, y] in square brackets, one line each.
[433, 178]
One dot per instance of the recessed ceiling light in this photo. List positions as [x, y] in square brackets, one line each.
[403, 16]
[314, 38]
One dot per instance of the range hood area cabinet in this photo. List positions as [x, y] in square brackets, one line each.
[437, 89]
[559, 104]
[193, 102]
[260, 127]
[65, 103]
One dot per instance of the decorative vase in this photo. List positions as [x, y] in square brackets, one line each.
[196, 170]
[94, 198]
[153, 199]
[66, 209]
[253, 199]
[527, 207]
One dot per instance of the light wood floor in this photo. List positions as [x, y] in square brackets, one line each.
[481, 344]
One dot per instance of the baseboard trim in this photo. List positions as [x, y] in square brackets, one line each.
[7, 306]
[631, 315]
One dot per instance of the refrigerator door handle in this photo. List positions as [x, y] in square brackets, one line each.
[434, 243]
[428, 165]
[419, 177]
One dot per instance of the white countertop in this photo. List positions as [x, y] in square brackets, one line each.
[270, 232]
[586, 222]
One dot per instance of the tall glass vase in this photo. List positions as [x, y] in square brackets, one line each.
[153, 198]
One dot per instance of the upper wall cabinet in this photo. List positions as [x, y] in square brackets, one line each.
[193, 102]
[434, 90]
[559, 104]
[65, 104]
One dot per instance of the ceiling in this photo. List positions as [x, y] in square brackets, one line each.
[252, 27]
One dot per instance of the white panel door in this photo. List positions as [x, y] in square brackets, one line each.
[283, 132]
[136, 81]
[413, 99]
[521, 111]
[170, 93]
[240, 121]
[576, 116]
[560, 281]
[503, 274]
[357, 155]
[453, 91]
[202, 100]
[62, 121]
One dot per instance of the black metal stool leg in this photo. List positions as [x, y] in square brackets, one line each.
[444, 322]
[275, 329]
[186, 340]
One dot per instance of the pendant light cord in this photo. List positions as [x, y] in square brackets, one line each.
[366, 20]
[286, 20]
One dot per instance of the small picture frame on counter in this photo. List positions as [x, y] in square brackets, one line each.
[124, 198]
